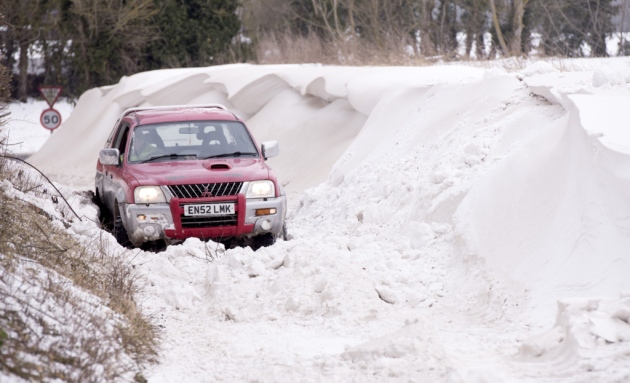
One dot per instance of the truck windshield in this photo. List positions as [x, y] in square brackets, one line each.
[190, 140]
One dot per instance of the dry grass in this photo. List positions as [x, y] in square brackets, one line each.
[294, 49]
[49, 328]
[291, 49]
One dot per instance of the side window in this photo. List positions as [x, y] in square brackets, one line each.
[110, 138]
[120, 142]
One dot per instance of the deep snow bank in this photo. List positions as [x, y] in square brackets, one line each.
[554, 213]
[455, 210]
[313, 111]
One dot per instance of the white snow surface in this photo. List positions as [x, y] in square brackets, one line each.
[447, 224]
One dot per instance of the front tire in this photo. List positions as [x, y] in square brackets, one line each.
[118, 229]
[103, 215]
[284, 234]
[263, 240]
[266, 240]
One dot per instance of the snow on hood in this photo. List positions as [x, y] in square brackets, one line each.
[437, 217]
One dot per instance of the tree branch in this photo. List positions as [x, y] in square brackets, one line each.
[47, 179]
[497, 28]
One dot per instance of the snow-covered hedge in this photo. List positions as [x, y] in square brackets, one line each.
[67, 310]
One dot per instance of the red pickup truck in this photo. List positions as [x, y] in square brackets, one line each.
[172, 172]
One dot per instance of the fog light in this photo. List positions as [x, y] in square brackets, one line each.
[150, 217]
[265, 211]
[265, 225]
[149, 230]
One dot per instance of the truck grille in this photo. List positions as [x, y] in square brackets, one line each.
[205, 190]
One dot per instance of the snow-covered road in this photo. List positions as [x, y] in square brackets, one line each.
[448, 224]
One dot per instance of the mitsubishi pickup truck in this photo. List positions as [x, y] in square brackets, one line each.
[169, 173]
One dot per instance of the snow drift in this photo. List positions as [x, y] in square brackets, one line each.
[438, 217]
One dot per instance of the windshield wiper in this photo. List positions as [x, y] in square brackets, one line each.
[172, 155]
[233, 154]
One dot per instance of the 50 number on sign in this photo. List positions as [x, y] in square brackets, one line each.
[50, 119]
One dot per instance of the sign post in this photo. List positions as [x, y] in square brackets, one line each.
[50, 118]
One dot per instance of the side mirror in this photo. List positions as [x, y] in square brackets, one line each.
[109, 157]
[270, 149]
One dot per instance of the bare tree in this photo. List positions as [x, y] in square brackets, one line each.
[622, 28]
[571, 25]
[518, 26]
[497, 27]
[23, 19]
[474, 25]
[428, 42]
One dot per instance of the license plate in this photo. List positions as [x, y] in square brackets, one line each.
[209, 209]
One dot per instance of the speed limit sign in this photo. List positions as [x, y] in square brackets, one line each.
[50, 119]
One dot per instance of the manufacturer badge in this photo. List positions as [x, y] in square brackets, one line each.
[206, 193]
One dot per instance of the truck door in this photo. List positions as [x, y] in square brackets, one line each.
[112, 180]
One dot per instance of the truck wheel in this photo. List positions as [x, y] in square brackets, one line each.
[103, 217]
[118, 229]
[263, 240]
[284, 234]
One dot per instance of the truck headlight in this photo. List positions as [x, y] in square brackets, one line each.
[261, 189]
[148, 194]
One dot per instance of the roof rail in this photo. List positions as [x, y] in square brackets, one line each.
[142, 108]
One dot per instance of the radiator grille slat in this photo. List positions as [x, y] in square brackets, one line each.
[206, 190]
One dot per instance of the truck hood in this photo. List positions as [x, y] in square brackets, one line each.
[200, 171]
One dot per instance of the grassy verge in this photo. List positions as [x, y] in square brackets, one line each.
[67, 301]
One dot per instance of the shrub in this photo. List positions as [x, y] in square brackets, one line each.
[67, 301]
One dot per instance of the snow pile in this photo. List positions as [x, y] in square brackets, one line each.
[438, 216]
[554, 213]
[71, 334]
[583, 328]
[584, 323]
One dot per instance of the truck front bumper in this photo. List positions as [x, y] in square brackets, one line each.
[163, 221]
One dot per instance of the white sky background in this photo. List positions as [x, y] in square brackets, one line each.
[438, 217]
